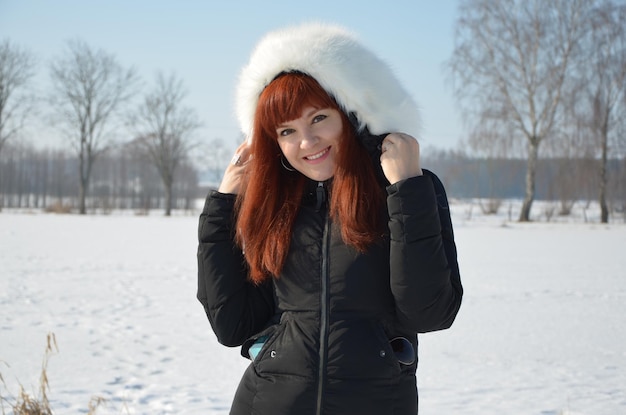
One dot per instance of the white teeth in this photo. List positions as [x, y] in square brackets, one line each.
[318, 155]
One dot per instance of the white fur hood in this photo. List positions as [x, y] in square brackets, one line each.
[360, 82]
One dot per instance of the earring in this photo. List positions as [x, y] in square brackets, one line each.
[286, 166]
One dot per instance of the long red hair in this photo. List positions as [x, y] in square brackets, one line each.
[271, 195]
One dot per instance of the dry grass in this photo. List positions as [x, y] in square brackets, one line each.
[25, 404]
[59, 207]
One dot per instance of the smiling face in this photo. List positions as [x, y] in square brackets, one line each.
[310, 143]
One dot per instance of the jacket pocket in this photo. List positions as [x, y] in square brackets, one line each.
[259, 339]
[360, 350]
[289, 351]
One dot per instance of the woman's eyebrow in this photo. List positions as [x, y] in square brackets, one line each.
[308, 114]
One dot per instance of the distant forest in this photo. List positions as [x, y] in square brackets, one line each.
[557, 178]
[124, 178]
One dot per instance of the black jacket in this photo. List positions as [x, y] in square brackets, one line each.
[331, 314]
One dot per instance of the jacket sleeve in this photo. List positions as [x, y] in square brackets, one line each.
[425, 279]
[236, 307]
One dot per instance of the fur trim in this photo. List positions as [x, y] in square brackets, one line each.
[360, 82]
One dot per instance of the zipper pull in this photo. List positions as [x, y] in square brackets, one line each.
[320, 194]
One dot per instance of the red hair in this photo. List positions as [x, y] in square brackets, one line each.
[271, 195]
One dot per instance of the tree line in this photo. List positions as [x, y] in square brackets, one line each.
[126, 178]
[122, 178]
[543, 81]
[565, 181]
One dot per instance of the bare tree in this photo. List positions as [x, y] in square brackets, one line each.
[164, 129]
[605, 85]
[89, 88]
[510, 64]
[16, 72]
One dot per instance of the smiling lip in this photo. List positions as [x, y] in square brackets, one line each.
[318, 156]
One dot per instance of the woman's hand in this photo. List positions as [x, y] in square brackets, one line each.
[231, 182]
[400, 157]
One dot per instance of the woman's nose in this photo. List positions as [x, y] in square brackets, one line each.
[309, 139]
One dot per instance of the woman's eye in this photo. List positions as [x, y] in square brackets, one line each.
[319, 118]
[285, 132]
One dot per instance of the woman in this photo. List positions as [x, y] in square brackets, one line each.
[327, 247]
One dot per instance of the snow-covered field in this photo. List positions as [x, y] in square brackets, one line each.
[542, 329]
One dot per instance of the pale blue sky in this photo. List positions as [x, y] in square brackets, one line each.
[207, 42]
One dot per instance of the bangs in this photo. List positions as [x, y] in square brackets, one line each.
[286, 96]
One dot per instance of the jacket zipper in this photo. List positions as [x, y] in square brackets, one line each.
[324, 300]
